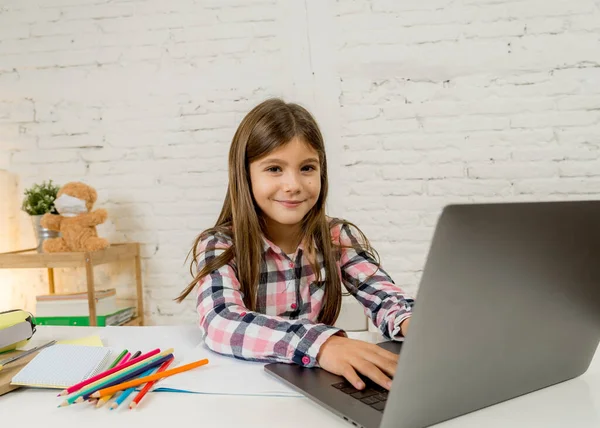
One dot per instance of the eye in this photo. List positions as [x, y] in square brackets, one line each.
[309, 168]
[273, 169]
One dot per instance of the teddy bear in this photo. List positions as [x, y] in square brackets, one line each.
[76, 222]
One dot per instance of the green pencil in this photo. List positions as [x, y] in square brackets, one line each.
[116, 361]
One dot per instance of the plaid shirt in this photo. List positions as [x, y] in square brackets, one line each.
[284, 328]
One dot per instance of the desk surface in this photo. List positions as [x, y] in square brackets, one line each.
[573, 403]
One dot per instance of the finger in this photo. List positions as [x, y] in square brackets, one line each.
[350, 374]
[384, 364]
[372, 372]
[376, 354]
[385, 353]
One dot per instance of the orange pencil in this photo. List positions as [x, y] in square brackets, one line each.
[136, 400]
[155, 376]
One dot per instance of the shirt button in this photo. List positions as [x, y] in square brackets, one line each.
[293, 306]
[305, 360]
[243, 314]
[292, 265]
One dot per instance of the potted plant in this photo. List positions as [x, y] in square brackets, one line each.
[39, 200]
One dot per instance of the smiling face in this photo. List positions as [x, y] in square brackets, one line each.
[286, 183]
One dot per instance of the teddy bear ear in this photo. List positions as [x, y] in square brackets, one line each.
[93, 195]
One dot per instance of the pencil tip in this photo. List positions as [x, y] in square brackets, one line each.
[62, 393]
[63, 404]
[132, 406]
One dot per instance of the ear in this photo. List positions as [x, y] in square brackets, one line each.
[70, 189]
[92, 195]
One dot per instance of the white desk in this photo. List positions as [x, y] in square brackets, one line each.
[575, 403]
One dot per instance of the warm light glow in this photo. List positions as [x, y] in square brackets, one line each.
[9, 232]
[18, 287]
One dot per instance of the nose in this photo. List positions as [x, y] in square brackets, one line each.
[291, 183]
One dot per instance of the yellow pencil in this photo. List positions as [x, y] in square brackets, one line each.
[111, 390]
[102, 401]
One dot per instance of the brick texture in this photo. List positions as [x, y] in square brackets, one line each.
[422, 103]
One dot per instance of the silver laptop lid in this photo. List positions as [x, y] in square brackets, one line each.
[509, 302]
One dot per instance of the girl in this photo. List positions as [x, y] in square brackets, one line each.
[269, 273]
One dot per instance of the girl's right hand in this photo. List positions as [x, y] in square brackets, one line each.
[345, 357]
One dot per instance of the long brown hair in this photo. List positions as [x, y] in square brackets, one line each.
[268, 126]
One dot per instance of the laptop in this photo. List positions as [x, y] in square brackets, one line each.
[508, 303]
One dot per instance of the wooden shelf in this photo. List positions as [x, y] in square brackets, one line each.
[31, 259]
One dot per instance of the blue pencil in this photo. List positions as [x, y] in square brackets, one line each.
[124, 394]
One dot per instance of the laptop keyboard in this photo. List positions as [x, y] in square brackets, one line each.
[372, 395]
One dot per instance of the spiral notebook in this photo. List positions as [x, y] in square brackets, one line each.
[61, 366]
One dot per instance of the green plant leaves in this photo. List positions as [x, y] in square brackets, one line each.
[39, 198]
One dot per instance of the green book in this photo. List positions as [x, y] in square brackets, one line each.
[116, 318]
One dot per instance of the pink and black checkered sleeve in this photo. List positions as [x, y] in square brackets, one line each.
[383, 301]
[230, 328]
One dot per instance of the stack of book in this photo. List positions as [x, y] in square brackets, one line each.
[73, 309]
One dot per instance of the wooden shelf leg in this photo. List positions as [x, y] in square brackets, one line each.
[51, 289]
[138, 281]
[89, 272]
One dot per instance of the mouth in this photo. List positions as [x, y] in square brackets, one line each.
[290, 204]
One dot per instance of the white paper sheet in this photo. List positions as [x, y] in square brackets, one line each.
[224, 375]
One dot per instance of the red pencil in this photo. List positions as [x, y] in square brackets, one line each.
[115, 369]
[136, 400]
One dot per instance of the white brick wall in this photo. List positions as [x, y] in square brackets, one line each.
[421, 102]
[463, 101]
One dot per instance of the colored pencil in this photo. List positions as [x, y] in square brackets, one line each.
[126, 372]
[123, 396]
[108, 372]
[125, 358]
[156, 376]
[102, 401]
[117, 378]
[136, 400]
[126, 377]
[118, 359]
